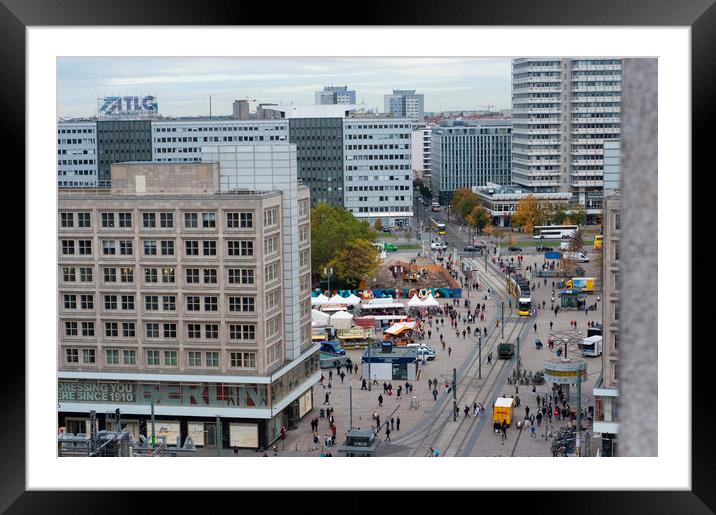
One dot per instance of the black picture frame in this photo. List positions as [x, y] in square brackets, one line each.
[700, 15]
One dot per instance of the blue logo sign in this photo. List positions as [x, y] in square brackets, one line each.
[128, 105]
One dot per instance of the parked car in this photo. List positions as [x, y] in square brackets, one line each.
[515, 249]
[438, 246]
[386, 229]
[389, 247]
[470, 248]
[544, 248]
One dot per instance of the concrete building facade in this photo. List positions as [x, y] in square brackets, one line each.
[77, 154]
[563, 112]
[421, 160]
[405, 103]
[172, 296]
[241, 109]
[335, 95]
[378, 178]
[469, 153]
[606, 393]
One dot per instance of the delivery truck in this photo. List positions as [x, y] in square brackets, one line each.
[579, 257]
[583, 284]
[503, 410]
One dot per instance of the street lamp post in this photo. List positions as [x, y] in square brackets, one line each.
[328, 272]
[454, 395]
[503, 319]
[350, 400]
[479, 357]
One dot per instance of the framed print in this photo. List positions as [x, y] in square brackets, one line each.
[140, 353]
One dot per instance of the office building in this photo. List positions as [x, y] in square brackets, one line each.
[241, 109]
[378, 180]
[173, 296]
[405, 103]
[77, 154]
[421, 160]
[319, 149]
[335, 95]
[606, 392]
[563, 112]
[120, 140]
[469, 153]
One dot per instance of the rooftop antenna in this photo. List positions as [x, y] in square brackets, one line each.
[209, 106]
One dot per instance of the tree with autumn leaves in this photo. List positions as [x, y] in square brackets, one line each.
[468, 207]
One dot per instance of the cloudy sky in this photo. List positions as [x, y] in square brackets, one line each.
[183, 85]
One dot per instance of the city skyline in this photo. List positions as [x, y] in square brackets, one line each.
[183, 86]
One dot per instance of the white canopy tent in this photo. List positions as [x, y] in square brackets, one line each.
[352, 300]
[319, 317]
[320, 299]
[415, 302]
[337, 299]
[430, 302]
[341, 320]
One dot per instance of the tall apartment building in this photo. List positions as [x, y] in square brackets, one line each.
[469, 153]
[378, 180]
[421, 160]
[241, 109]
[563, 111]
[335, 95]
[606, 392]
[77, 154]
[319, 146]
[405, 103]
[172, 296]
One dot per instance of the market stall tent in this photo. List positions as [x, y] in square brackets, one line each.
[341, 320]
[319, 317]
[352, 300]
[430, 302]
[320, 299]
[415, 302]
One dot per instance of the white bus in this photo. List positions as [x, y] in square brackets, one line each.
[554, 232]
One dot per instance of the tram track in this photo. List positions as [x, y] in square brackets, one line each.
[436, 429]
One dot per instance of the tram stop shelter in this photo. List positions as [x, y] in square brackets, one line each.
[359, 443]
[572, 299]
[391, 363]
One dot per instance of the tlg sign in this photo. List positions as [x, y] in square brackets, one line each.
[113, 106]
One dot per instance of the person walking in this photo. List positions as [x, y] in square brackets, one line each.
[392, 423]
[430, 333]
[387, 434]
[435, 395]
[330, 375]
[363, 385]
[533, 430]
[377, 423]
[380, 401]
[550, 325]
[535, 326]
[343, 374]
[449, 351]
[326, 401]
[467, 411]
[397, 424]
[430, 384]
[489, 358]
[527, 411]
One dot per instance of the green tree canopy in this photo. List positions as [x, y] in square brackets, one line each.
[332, 229]
[464, 201]
[357, 260]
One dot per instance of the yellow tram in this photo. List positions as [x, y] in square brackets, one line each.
[519, 288]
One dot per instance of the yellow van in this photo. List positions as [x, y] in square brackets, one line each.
[503, 410]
